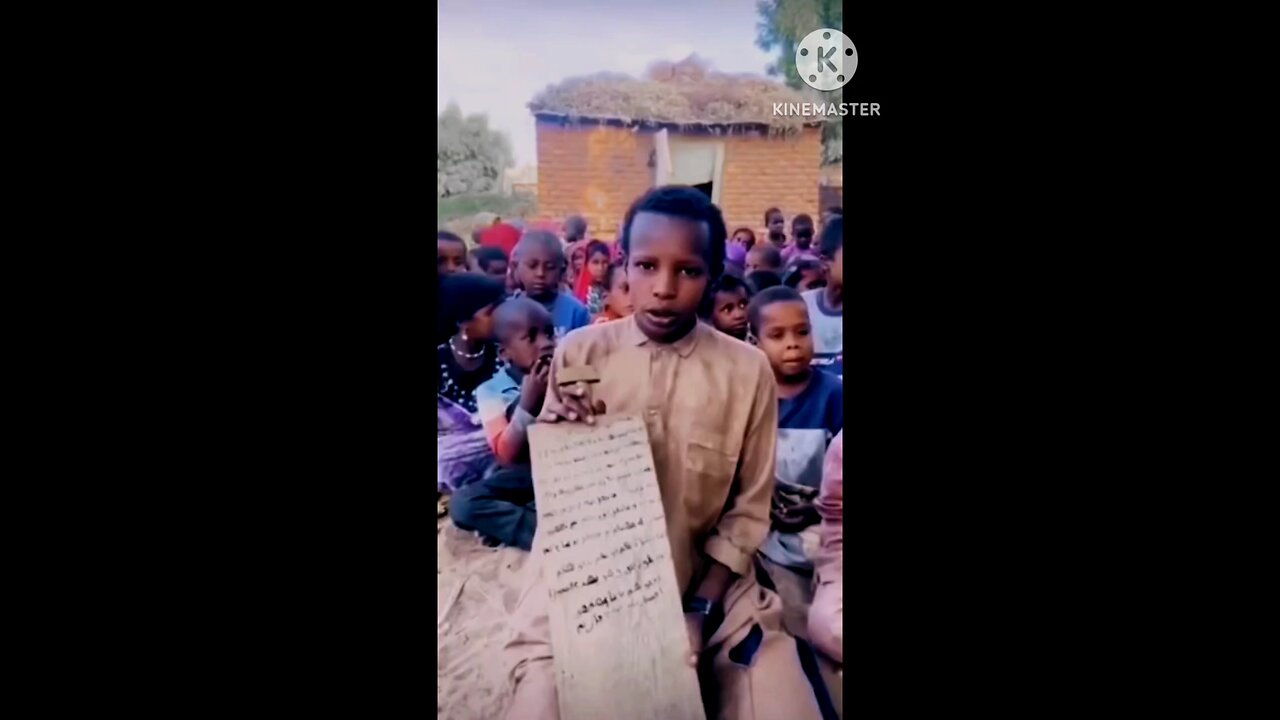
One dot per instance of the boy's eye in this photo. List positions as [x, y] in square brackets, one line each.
[645, 265]
[692, 272]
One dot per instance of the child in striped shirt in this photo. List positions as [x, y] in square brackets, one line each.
[500, 506]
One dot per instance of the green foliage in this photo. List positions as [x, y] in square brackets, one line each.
[782, 24]
[470, 157]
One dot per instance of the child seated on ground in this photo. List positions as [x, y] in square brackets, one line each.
[500, 506]
[810, 413]
[591, 285]
[451, 253]
[617, 303]
[574, 229]
[491, 261]
[764, 257]
[805, 274]
[540, 266]
[826, 304]
[776, 227]
[735, 260]
[725, 306]
[466, 353]
[801, 238]
[711, 407]
[826, 617]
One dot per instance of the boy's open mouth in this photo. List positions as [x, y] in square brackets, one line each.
[662, 318]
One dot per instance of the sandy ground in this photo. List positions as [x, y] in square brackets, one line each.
[476, 590]
[472, 624]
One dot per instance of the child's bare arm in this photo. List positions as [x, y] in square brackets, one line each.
[511, 445]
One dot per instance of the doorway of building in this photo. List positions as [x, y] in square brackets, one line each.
[699, 163]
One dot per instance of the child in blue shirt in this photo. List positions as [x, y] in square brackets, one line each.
[501, 505]
[810, 414]
[539, 269]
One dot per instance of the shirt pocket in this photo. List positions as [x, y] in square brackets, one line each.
[709, 475]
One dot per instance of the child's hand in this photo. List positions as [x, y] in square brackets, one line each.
[792, 508]
[534, 386]
[793, 520]
[574, 406]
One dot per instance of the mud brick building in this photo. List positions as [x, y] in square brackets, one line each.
[598, 146]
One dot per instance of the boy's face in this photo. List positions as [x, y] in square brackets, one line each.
[619, 298]
[539, 272]
[598, 266]
[777, 225]
[668, 274]
[756, 261]
[742, 238]
[451, 257]
[803, 233]
[530, 341]
[784, 336]
[729, 314]
[835, 267]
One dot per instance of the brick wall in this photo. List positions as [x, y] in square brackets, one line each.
[761, 172]
[592, 170]
[598, 170]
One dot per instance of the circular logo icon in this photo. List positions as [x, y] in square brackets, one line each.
[826, 59]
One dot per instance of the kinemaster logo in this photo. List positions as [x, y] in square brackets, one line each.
[826, 60]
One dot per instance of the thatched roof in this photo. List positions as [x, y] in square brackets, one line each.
[683, 94]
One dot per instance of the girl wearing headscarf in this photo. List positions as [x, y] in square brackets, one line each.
[577, 253]
[467, 356]
[592, 283]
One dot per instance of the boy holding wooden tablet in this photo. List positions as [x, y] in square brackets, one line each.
[710, 407]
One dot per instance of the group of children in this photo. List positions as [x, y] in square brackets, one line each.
[740, 383]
